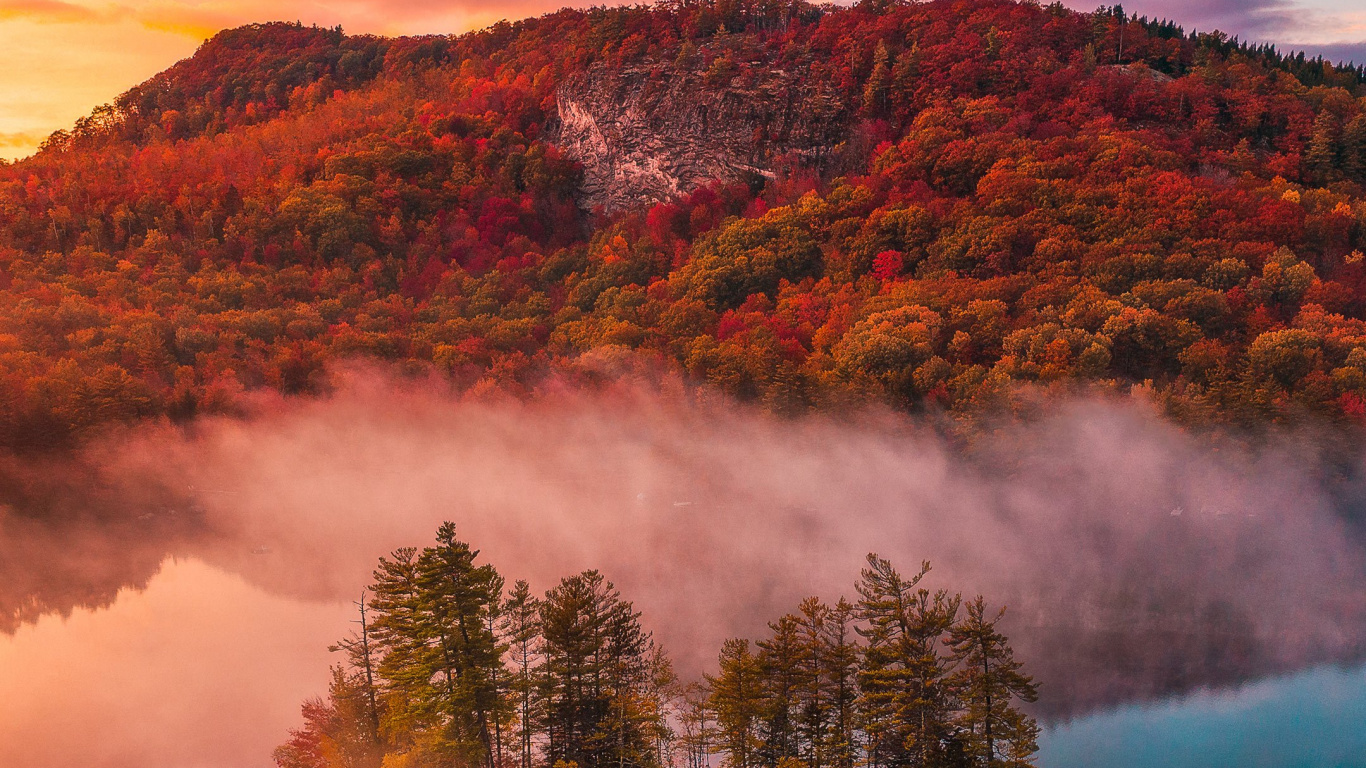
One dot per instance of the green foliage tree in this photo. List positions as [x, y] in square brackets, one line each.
[595, 677]
[748, 256]
[875, 89]
[988, 681]
[441, 659]
[736, 698]
[906, 698]
[1354, 148]
[521, 631]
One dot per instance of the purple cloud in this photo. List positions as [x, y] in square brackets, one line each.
[1348, 53]
[1261, 19]
[1286, 23]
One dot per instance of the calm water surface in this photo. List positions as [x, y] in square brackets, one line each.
[200, 670]
[1314, 719]
[204, 670]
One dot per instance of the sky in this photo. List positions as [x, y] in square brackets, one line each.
[61, 58]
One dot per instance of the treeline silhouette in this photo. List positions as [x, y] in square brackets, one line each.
[450, 666]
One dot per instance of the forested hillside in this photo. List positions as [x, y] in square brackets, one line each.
[1024, 198]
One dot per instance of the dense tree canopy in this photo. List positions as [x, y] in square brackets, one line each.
[1027, 196]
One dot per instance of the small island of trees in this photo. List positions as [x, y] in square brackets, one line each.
[451, 667]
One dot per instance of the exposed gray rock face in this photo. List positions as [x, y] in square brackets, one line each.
[652, 132]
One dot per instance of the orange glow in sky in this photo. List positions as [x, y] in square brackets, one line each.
[60, 59]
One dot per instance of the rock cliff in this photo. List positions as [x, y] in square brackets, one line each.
[651, 132]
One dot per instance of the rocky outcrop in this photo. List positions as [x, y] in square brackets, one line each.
[649, 133]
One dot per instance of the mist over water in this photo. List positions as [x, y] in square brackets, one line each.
[1137, 560]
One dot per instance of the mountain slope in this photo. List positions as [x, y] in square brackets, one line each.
[990, 195]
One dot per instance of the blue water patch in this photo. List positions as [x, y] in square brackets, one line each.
[1314, 719]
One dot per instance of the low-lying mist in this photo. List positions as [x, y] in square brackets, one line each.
[1136, 559]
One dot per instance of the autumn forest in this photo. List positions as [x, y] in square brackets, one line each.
[1027, 199]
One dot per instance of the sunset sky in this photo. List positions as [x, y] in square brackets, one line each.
[60, 58]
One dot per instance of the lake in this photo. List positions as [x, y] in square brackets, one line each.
[201, 669]
[1313, 719]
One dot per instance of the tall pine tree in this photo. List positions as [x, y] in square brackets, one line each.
[736, 701]
[988, 681]
[595, 669]
[906, 700]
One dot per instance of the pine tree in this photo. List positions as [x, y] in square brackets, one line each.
[661, 703]
[815, 713]
[987, 680]
[595, 676]
[782, 658]
[440, 661]
[457, 597]
[875, 90]
[1354, 148]
[502, 711]
[407, 660]
[695, 721]
[905, 72]
[521, 629]
[736, 701]
[906, 701]
[840, 664]
[1321, 154]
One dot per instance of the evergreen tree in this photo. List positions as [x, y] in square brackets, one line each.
[987, 680]
[457, 597]
[696, 725]
[1321, 154]
[815, 712]
[875, 90]
[504, 709]
[594, 676]
[521, 629]
[440, 659]
[736, 700]
[906, 701]
[1354, 148]
[426, 683]
[840, 663]
[782, 659]
[661, 703]
[905, 72]
[407, 659]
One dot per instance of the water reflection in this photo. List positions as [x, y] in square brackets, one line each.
[1314, 719]
[198, 670]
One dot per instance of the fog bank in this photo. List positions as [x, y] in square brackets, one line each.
[1142, 558]
[1137, 560]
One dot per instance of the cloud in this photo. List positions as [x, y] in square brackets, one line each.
[1325, 26]
[1246, 18]
[1349, 53]
[45, 10]
[21, 139]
